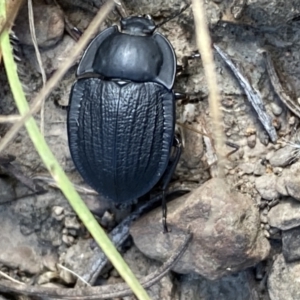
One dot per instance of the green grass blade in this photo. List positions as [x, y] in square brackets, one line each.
[57, 172]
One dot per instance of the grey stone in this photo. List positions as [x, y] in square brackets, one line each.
[291, 244]
[71, 222]
[52, 58]
[246, 168]
[251, 141]
[288, 184]
[232, 287]
[282, 157]
[225, 226]
[276, 109]
[17, 250]
[266, 186]
[285, 215]
[259, 169]
[48, 22]
[280, 185]
[193, 149]
[283, 283]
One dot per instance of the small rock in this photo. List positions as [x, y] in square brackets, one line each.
[275, 233]
[107, 219]
[285, 215]
[292, 120]
[48, 22]
[68, 239]
[72, 232]
[277, 170]
[78, 256]
[276, 109]
[225, 226]
[188, 114]
[193, 150]
[17, 250]
[259, 169]
[263, 219]
[142, 266]
[266, 186]
[269, 155]
[246, 168]
[57, 210]
[67, 276]
[53, 57]
[289, 182]
[47, 277]
[50, 261]
[291, 244]
[267, 227]
[71, 222]
[283, 280]
[251, 141]
[282, 157]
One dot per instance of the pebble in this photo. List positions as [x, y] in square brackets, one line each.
[251, 141]
[291, 244]
[282, 157]
[266, 186]
[67, 239]
[263, 219]
[285, 215]
[276, 109]
[57, 210]
[283, 280]
[71, 222]
[259, 169]
[292, 120]
[49, 25]
[246, 168]
[218, 217]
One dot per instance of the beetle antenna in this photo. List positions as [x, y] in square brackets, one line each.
[174, 16]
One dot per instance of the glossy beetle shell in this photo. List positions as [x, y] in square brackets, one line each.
[122, 113]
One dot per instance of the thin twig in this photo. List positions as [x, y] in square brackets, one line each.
[79, 188]
[39, 59]
[10, 278]
[253, 96]
[73, 273]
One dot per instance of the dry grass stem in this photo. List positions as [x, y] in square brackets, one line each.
[9, 119]
[73, 273]
[204, 45]
[38, 57]
[10, 278]
[57, 76]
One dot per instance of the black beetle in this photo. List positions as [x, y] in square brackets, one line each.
[121, 116]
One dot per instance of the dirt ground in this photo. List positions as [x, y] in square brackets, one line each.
[39, 231]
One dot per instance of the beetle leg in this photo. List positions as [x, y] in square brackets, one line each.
[167, 178]
[188, 98]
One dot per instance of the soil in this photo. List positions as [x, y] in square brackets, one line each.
[38, 230]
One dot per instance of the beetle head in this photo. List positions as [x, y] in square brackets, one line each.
[138, 25]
